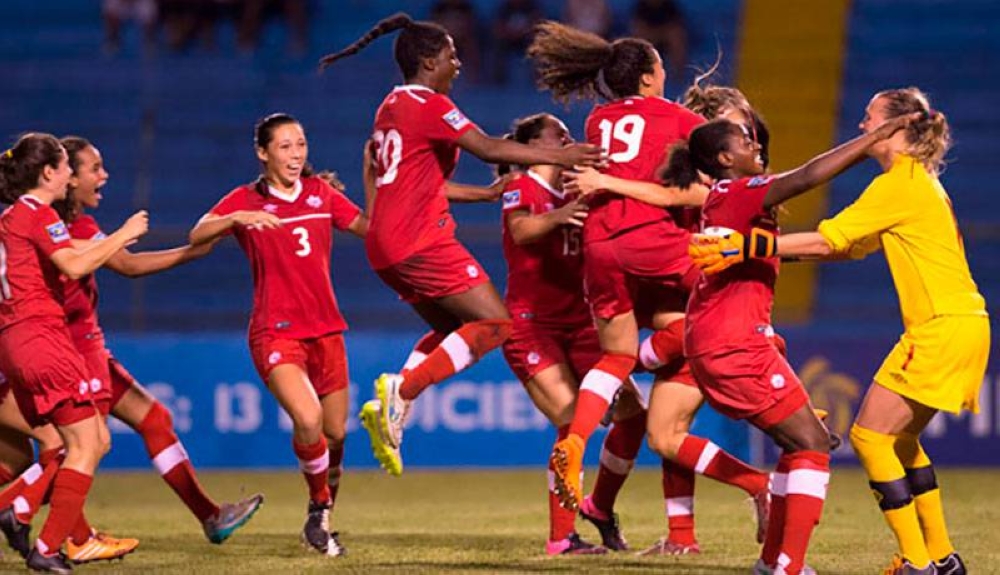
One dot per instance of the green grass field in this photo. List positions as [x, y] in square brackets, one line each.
[495, 522]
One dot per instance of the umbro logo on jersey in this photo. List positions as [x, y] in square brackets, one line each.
[57, 232]
[314, 201]
[456, 119]
[511, 199]
[270, 208]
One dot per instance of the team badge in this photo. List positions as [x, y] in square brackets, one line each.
[472, 270]
[758, 181]
[777, 381]
[57, 232]
[314, 201]
[95, 385]
[274, 358]
[456, 119]
[511, 199]
[534, 358]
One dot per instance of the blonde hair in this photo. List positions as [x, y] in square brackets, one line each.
[929, 137]
[708, 100]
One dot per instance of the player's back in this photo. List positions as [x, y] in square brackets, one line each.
[29, 282]
[637, 134]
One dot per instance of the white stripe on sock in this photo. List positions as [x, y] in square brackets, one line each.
[778, 484]
[809, 482]
[31, 474]
[706, 457]
[314, 466]
[615, 464]
[458, 351]
[647, 356]
[41, 546]
[415, 359]
[679, 506]
[169, 458]
[601, 383]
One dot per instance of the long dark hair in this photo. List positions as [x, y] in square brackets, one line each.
[66, 207]
[700, 153]
[418, 40]
[21, 165]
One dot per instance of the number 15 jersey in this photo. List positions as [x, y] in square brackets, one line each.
[292, 291]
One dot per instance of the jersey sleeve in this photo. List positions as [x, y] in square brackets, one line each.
[343, 210]
[230, 203]
[86, 228]
[443, 121]
[516, 195]
[877, 210]
[736, 203]
[49, 232]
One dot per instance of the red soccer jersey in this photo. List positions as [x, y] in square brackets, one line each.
[416, 130]
[545, 277]
[727, 308]
[637, 134]
[293, 295]
[80, 296]
[30, 232]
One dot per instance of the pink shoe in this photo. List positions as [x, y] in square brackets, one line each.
[573, 545]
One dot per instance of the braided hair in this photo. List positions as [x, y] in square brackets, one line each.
[417, 41]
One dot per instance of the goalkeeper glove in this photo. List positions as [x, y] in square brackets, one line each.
[722, 248]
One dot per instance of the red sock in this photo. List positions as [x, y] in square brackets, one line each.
[6, 475]
[561, 521]
[314, 461]
[710, 460]
[34, 495]
[597, 390]
[336, 470]
[664, 346]
[776, 518]
[171, 461]
[678, 500]
[69, 493]
[81, 532]
[460, 349]
[424, 346]
[617, 459]
[808, 477]
[12, 491]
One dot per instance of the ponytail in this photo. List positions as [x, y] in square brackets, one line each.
[680, 170]
[930, 136]
[384, 26]
[418, 40]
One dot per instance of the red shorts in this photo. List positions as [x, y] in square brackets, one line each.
[756, 384]
[49, 378]
[117, 380]
[434, 272]
[324, 359]
[532, 348]
[617, 269]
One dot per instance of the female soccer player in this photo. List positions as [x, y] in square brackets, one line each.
[283, 223]
[675, 401]
[728, 338]
[411, 245]
[939, 362]
[635, 254]
[553, 341]
[50, 380]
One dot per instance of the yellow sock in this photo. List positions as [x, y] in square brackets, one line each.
[926, 495]
[892, 490]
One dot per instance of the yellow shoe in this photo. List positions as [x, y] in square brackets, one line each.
[567, 463]
[100, 547]
[388, 456]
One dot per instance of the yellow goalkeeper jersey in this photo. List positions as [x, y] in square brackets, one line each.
[911, 214]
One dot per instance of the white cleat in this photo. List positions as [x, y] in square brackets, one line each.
[395, 410]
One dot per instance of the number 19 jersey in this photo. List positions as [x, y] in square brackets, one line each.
[416, 130]
[636, 133]
[293, 294]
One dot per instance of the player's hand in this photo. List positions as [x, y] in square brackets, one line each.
[258, 220]
[584, 180]
[333, 179]
[136, 226]
[582, 155]
[497, 187]
[718, 250]
[889, 127]
[369, 168]
[572, 214]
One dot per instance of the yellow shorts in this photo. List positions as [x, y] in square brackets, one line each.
[940, 363]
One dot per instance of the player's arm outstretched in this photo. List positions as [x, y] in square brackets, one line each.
[504, 151]
[212, 226]
[587, 181]
[77, 262]
[526, 228]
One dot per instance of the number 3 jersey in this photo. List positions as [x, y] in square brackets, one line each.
[544, 277]
[293, 294]
[416, 130]
[636, 133]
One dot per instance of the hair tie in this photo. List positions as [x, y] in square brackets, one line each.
[9, 153]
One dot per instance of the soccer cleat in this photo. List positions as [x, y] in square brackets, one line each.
[54, 564]
[761, 568]
[607, 525]
[902, 566]
[388, 457]
[99, 547]
[15, 531]
[231, 516]
[316, 532]
[395, 409]
[567, 464]
[762, 511]
[334, 548]
[951, 565]
[573, 545]
[664, 546]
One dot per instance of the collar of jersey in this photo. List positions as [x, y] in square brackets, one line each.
[282, 195]
[33, 198]
[412, 87]
[541, 182]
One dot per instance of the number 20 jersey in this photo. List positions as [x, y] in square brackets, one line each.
[637, 134]
[416, 130]
[292, 291]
